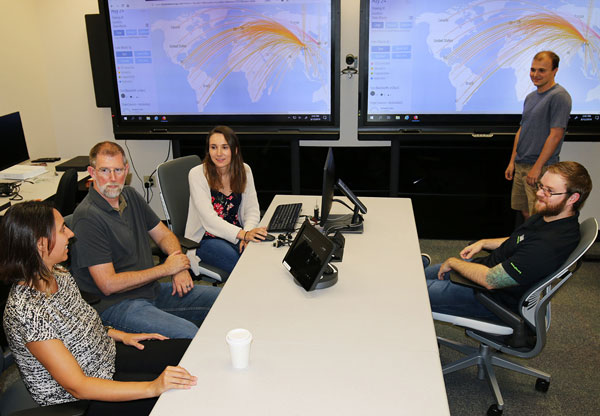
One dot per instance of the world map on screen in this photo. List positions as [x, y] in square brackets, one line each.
[474, 56]
[245, 59]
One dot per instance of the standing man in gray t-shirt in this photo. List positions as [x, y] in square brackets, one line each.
[540, 136]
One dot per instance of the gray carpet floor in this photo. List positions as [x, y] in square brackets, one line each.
[571, 355]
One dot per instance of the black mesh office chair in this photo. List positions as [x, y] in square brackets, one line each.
[520, 335]
[175, 197]
[65, 199]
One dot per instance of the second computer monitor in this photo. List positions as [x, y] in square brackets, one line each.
[14, 148]
[328, 187]
[348, 223]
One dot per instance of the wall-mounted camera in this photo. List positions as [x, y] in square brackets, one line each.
[351, 60]
[351, 65]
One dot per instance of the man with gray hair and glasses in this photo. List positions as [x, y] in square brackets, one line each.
[112, 257]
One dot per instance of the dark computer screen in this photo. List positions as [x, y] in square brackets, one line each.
[308, 256]
[14, 147]
[345, 223]
[328, 187]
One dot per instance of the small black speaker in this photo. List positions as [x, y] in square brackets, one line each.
[100, 60]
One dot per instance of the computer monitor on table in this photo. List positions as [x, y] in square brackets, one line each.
[346, 223]
[308, 259]
[328, 187]
[14, 147]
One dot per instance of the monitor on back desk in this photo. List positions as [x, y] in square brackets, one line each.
[12, 142]
[79, 163]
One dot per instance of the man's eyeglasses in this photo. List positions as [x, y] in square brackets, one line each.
[547, 191]
[108, 171]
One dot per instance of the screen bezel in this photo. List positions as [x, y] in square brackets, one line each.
[472, 124]
[199, 125]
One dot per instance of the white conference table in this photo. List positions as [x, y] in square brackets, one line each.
[366, 345]
[41, 187]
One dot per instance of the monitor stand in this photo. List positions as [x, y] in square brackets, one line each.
[343, 223]
[329, 278]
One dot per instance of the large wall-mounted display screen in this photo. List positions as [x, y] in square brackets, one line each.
[187, 64]
[463, 65]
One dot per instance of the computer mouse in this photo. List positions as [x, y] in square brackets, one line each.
[269, 237]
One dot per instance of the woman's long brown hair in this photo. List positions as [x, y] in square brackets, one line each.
[237, 173]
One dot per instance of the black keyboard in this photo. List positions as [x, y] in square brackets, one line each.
[285, 217]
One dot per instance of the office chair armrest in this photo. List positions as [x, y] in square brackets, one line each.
[185, 243]
[188, 244]
[76, 408]
[213, 272]
[519, 337]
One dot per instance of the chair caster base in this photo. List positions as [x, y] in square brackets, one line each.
[542, 385]
[494, 411]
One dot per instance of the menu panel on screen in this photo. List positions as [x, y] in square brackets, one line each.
[465, 64]
[243, 63]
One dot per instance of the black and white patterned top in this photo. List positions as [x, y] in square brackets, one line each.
[31, 316]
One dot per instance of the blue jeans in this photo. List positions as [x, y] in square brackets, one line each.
[219, 253]
[451, 298]
[168, 315]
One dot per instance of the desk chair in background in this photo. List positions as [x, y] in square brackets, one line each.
[174, 191]
[521, 335]
[65, 199]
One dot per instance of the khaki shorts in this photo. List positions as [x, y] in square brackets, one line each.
[523, 194]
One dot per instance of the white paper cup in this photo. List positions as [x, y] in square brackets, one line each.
[239, 341]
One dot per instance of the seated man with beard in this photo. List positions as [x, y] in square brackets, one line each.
[112, 257]
[533, 251]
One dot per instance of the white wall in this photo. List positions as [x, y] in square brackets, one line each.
[23, 81]
[45, 74]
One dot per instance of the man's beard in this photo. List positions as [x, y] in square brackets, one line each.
[111, 192]
[547, 210]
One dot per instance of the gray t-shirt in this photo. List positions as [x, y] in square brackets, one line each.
[32, 316]
[541, 112]
[105, 235]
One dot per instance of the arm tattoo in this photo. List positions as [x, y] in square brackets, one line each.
[497, 278]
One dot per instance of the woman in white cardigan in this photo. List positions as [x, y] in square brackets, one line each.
[223, 213]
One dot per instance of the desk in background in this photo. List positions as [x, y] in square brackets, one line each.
[41, 187]
[367, 345]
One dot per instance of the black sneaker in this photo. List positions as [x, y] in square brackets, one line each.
[426, 258]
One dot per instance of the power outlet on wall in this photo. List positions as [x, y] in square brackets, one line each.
[149, 181]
